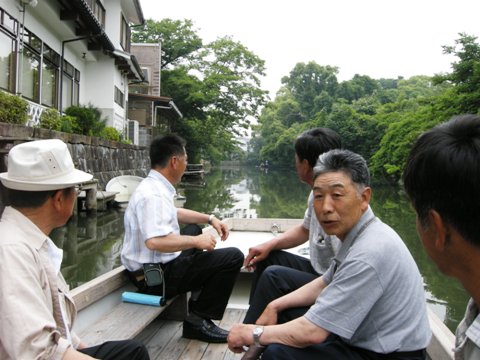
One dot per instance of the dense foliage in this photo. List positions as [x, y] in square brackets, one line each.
[85, 120]
[13, 109]
[379, 119]
[216, 86]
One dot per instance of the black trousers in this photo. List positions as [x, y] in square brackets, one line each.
[209, 275]
[118, 350]
[272, 281]
[334, 349]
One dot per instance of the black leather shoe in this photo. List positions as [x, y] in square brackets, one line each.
[205, 331]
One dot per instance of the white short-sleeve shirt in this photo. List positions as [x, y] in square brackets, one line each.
[151, 212]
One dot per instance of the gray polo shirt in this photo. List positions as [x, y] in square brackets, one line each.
[375, 298]
[467, 342]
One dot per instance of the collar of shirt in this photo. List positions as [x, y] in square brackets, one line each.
[34, 236]
[159, 177]
[469, 327]
[55, 254]
[356, 231]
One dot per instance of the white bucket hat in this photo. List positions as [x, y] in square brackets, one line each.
[41, 165]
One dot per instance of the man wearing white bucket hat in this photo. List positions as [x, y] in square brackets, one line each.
[36, 312]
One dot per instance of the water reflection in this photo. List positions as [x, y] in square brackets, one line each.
[92, 244]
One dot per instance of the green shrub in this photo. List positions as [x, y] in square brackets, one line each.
[89, 119]
[13, 109]
[50, 119]
[110, 133]
[68, 124]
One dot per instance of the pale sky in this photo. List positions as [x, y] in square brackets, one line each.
[378, 38]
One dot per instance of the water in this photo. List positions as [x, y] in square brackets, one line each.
[92, 244]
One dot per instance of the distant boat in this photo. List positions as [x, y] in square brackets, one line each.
[124, 186]
[194, 171]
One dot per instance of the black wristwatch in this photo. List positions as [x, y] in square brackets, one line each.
[210, 219]
[257, 332]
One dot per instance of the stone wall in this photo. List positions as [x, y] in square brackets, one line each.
[104, 159]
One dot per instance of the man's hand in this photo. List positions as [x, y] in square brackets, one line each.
[221, 228]
[240, 335]
[205, 242]
[258, 253]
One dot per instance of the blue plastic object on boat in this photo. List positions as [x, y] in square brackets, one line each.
[144, 299]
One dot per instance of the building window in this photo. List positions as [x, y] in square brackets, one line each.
[7, 62]
[50, 70]
[30, 72]
[125, 35]
[118, 96]
[70, 85]
[8, 23]
[49, 84]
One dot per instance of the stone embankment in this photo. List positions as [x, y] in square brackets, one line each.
[104, 159]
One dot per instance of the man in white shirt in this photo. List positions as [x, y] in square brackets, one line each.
[442, 179]
[187, 259]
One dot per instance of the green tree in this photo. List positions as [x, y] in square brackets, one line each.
[466, 73]
[307, 81]
[178, 38]
[216, 86]
[358, 87]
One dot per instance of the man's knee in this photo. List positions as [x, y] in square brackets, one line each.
[231, 256]
[274, 272]
[275, 352]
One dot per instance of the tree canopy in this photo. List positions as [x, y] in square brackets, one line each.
[216, 86]
[379, 119]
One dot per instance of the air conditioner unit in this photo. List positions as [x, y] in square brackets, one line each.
[146, 74]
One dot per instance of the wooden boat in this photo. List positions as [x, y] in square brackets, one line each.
[124, 186]
[103, 316]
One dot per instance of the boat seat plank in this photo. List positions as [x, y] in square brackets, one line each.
[90, 292]
[111, 324]
[125, 321]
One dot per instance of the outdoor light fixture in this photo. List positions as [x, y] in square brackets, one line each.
[32, 3]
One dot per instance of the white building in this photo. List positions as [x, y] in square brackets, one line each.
[57, 53]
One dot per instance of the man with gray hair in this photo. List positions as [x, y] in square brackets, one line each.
[36, 312]
[358, 308]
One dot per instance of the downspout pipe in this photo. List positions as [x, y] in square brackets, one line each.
[60, 105]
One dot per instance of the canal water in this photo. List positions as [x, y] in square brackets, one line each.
[92, 244]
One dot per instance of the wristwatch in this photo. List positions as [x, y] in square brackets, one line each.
[210, 219]
[257, 332]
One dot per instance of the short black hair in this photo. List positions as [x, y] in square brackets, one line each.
[30, 199]
[442, 173]
[164, 147]
[312, 143]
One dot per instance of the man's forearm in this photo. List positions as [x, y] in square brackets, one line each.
[297, 333]
[291, 238]
[187, 216]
